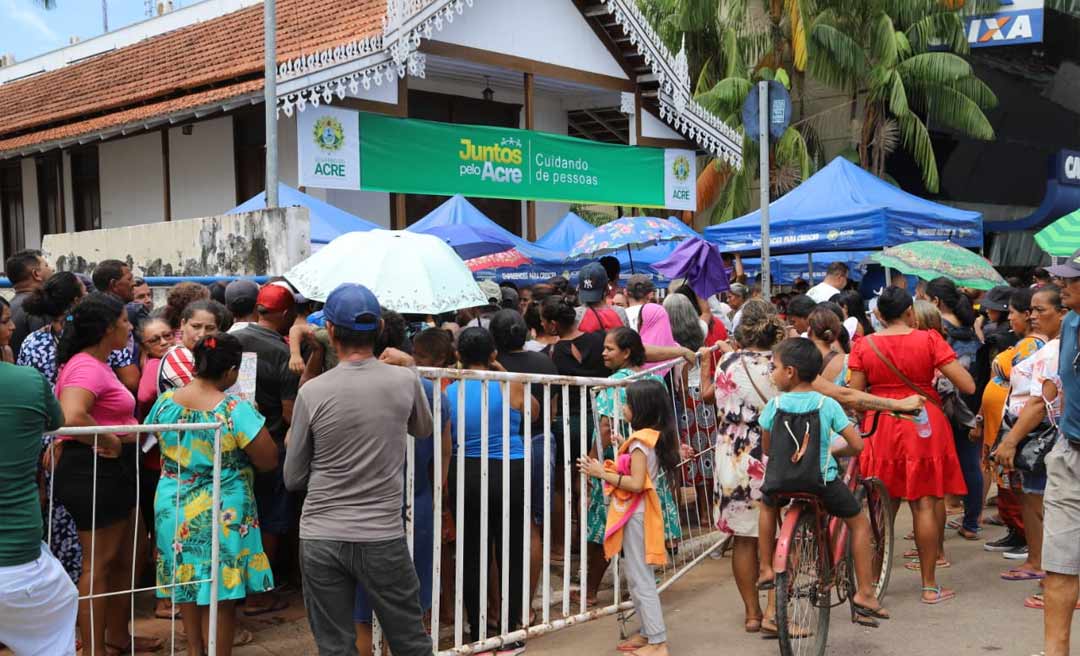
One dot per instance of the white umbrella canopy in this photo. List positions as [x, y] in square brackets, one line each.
[409, 272]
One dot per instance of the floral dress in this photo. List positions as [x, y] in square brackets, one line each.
[743, 387]
[597, 518]
[183, 505]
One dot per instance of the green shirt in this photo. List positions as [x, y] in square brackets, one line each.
[27, 409]
[833, 422]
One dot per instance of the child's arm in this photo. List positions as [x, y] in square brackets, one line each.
[632, 482]
[854, 442]
[297, 334]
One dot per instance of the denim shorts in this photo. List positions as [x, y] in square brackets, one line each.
[1033, 483]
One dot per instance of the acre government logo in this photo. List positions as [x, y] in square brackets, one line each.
[680, 168]
[329, 135]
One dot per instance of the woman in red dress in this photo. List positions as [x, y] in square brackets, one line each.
[917, 465]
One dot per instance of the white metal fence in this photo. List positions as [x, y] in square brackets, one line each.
[550, 608]
[89, 558]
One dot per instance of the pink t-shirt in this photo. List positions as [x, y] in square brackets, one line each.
[113, 405]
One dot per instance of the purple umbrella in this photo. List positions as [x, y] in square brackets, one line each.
[700, 263]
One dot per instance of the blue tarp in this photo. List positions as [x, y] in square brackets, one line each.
[564, 234]
[327, 221]
[784, 269]
[842, 207]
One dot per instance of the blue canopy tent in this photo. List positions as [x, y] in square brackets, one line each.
[458, 211]
[841, 208]
[785, 269]
[564, 234]
[327, 221]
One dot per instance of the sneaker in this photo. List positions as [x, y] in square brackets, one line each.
[1007, 542]
[1017, 554]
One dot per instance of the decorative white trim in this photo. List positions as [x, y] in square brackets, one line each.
[677, 105]
[627, 103]
[394, 52]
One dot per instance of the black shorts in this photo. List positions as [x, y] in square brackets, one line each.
[836, 497]
[74, 485]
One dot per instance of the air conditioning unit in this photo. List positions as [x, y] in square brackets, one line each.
[164, 6]
[7, 59]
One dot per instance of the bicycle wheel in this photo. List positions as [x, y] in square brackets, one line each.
[873, 496]
[802, 594]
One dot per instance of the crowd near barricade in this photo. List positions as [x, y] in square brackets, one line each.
[553, 606]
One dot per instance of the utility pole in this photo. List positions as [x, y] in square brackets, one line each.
[270, 102]
[763, 156]
[104, 16]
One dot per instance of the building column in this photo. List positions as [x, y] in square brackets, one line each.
[166, 188]
[398, 218]
[530, 205]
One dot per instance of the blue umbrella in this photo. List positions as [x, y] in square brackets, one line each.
[700, 263]
[627, 232]
[470, 241]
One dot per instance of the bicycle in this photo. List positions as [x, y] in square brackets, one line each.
[813, 560]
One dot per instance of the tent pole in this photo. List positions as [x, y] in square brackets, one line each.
[810, 267]
[631, 254]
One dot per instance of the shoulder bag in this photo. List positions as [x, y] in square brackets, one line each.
[903, 379]
[1032, 449]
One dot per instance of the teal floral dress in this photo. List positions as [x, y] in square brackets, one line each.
[183, 527]
[597, 519]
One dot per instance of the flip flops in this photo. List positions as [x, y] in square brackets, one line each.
[1019, 574]
[1037, 602]
[867, 616]
[915, 566]
[278, 604]
[941, 595]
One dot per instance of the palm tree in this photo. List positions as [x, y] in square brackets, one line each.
[730, 47]
[900, 60]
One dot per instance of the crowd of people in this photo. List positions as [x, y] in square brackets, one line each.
[979, 391]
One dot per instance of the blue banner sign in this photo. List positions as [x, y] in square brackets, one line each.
[1017, 22]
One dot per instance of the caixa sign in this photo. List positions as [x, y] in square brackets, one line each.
[1017, 22]
[1068, 167]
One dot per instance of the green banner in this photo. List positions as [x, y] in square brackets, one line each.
[424, 157]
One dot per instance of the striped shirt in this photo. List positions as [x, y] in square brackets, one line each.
[177, 369]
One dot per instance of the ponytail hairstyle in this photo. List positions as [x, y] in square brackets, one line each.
[650, 407]
[894, 302]
[928, 317]
[945, 291]
[56, 297]
[629, 340]
[559, 310]
[825, 326]
[842, 336]
[87, 324]
[215, 355]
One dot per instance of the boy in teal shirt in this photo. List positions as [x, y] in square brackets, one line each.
[796, 363]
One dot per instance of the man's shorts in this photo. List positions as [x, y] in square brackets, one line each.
[38, 603]
[837, 499]
[1061, 509]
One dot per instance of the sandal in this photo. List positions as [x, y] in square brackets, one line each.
[769, 629]
[243, 637]
[143, 644]
[278, 604]
[911, 553]
[752, 625]
[910, 536]
[632, 645]
[968, 535]
[167, 611]
[1020, 574]
[940, 595]
[769, 584]
[916, 565]
[1037, 602]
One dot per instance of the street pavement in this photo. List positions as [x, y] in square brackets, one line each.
[704, 616]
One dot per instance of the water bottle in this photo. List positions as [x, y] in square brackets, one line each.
[922, 424]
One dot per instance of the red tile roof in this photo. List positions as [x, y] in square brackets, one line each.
[192, 66]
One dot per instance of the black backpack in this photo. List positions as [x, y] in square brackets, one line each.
[795, 453]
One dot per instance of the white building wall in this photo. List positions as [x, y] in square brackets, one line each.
[202, 169]
[530, 29]
[371, 206]
[130, 173]
[288, 172]
[31, 215]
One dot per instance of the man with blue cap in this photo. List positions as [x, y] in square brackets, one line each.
[347, 448]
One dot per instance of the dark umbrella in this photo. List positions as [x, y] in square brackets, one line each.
[700, 263]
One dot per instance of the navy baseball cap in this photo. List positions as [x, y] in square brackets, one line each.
[354, 307]
[592, 283]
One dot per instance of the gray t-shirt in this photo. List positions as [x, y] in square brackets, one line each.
[348, 449]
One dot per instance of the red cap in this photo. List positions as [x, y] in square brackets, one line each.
[275, 299]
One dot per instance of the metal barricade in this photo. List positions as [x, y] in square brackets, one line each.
[88, 570]
[549, 609]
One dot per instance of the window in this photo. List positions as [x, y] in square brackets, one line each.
[86, 189]
[50, 181]
[11, 207]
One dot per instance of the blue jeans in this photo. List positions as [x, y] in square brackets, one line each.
[970, 455]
